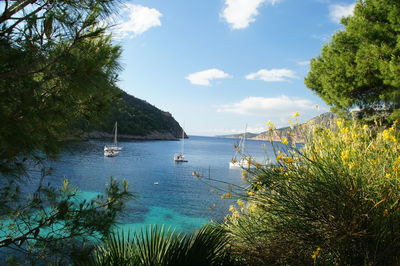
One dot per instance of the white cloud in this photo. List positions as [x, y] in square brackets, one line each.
[204, 77]
[240, 13]
[303, 63]
[336, 12]
[134, 20]
[278, 107]
[272, 75]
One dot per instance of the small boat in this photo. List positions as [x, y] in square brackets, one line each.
[180, 157]
[245, 162]
[115, 146]
[156, 183]
[111, 153]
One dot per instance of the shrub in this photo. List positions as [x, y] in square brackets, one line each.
[156, 246]
[334, 201]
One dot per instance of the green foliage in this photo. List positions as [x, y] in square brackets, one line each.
[138, 118]
[157, 246]
[56, 68]
[334, 202]
[52, 225]
[360, 66]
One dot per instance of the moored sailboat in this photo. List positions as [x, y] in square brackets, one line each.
[244, 161]
[114, 146]
[180, 157]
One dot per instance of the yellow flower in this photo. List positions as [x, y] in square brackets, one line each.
[227, 195]
[279, 157]
[296, 114]
[386, 213]
[252, 207]
[396, 164]
[235, 215]
[339, 123]
[365, 127]
[288, 160]
[388, 135]
[285, 141]
[345, 155]
[316, 254]
[240, 203]
[232, 208]
[270, 125]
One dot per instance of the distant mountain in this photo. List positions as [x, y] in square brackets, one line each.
[137, 119]
[300, 132]
[234, 136]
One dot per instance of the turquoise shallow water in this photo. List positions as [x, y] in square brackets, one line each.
[168, 218]
[179, 200]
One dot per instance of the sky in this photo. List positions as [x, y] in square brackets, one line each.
[217, 65]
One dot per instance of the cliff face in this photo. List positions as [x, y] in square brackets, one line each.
[137, 119]
[300, 132]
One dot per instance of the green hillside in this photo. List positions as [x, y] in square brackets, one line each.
[137, 118]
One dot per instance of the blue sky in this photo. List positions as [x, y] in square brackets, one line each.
[217, 65]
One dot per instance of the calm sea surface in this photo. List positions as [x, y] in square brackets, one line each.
[178, 200]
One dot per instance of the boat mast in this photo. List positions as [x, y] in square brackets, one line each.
[183, 141]
[115, 134]
[243, 147]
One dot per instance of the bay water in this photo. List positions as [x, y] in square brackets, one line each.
[166, 193]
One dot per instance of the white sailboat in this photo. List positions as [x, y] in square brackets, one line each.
[244, 161]
[111, 153]
[113, 150]
[180, 157]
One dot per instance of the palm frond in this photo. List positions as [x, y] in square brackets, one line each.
[156, 245]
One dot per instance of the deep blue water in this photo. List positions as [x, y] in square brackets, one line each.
[179, 200]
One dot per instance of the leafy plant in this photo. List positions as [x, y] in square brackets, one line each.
[335, 201]
[359, 67]
[157, 246]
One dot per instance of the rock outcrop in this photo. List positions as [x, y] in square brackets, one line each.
[298, 133]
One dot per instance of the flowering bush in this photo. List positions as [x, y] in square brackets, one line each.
[334, 201]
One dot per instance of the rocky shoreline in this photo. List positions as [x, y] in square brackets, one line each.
[152, 136]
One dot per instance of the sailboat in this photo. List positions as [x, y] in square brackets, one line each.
[244, 161]
[111, 153]
[113, 150]
[180, 157]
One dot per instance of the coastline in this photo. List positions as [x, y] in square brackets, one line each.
[152, 136]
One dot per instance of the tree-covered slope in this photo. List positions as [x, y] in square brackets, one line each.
[137, 119]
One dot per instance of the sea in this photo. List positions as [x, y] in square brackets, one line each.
[165, 192]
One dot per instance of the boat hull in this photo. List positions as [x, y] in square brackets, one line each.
[242, 164]
[111, 153]
[180, 158]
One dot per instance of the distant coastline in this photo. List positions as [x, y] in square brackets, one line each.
[152, 136]
[296, 134]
